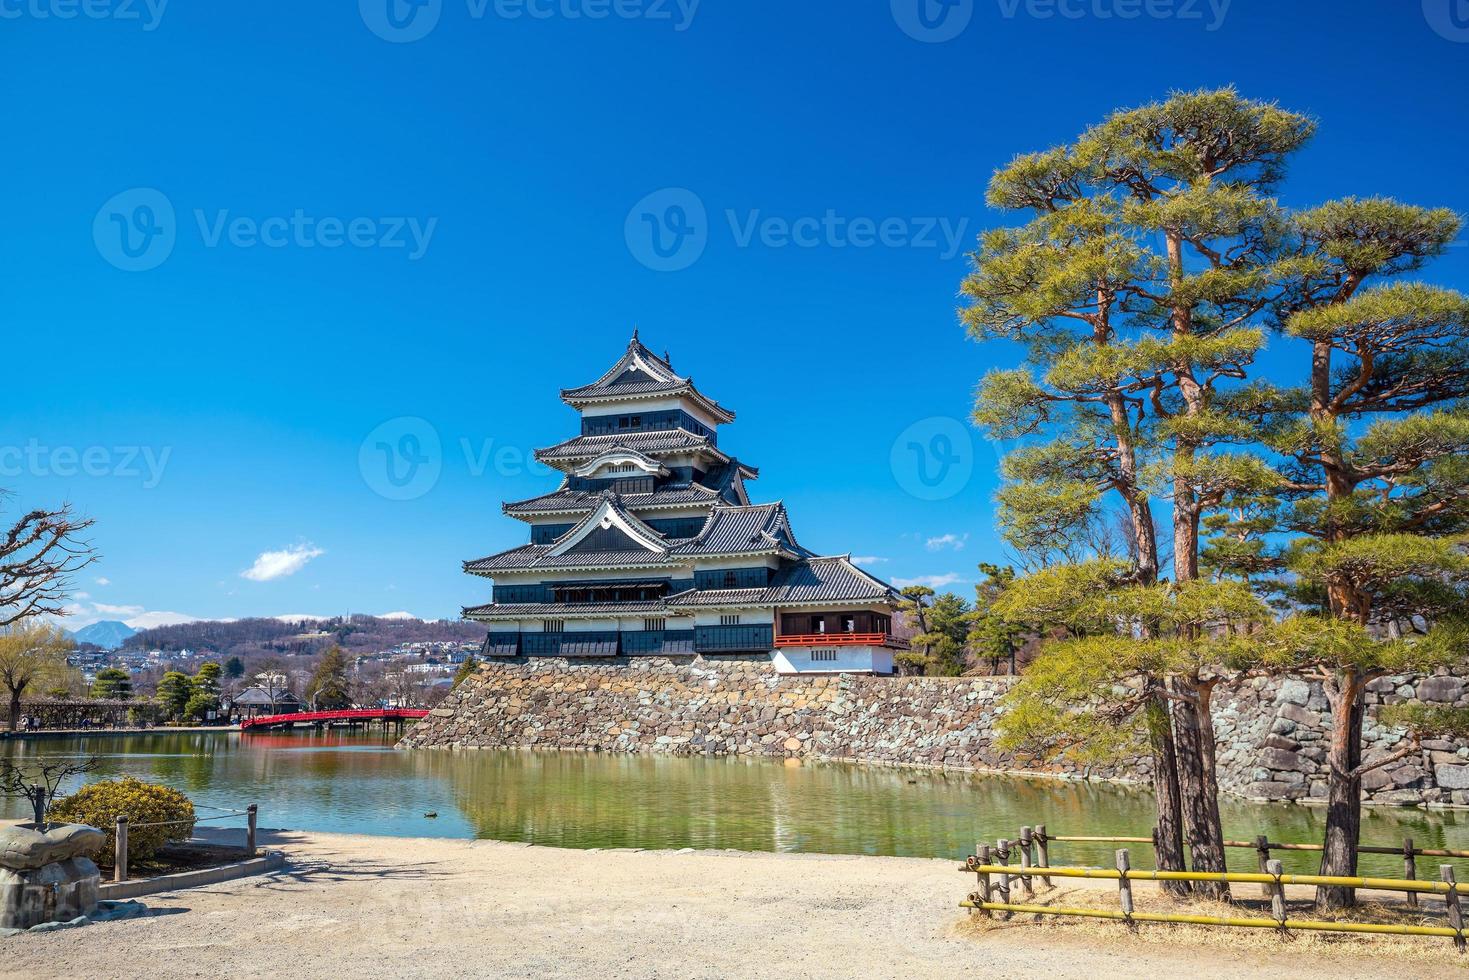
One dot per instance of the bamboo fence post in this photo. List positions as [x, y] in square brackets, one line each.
[1410, 869]
[983, 851]
[1124, 887]
[252, 812]
[1044, 841]
[120, 851]
[1262, 852]
[1003, 854]
[1277, 892]
[1451, 901]
[1027, 858]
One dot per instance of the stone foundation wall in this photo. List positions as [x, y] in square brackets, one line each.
[1271, 734]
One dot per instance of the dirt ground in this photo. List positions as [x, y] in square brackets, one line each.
[448, 908]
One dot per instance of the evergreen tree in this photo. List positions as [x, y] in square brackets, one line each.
[466, 670]
[329, 688]
[234, 668]
[1134, 288]
[112, 683]
[174, 691]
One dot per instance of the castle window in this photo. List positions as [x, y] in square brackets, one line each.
[654, 624]
[729, 620]
[823, 655]
[553, 626]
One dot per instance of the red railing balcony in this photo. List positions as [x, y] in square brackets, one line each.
[835, 640]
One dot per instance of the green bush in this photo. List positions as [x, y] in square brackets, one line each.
[100, 804]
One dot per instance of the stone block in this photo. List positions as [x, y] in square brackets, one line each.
[1293, 691]
[1440, 690]
[1281, 760]
[1451, 776]
[1299, 714]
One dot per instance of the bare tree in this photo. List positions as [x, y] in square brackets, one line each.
[30, 654]
[38, 555]
[39, 784]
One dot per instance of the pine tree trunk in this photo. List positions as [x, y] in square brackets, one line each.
[1200, 795]
[1168, 830]
[1344, 793]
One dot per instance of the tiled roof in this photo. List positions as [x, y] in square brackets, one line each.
[561, 610]
[809, 580]
[649, 442]
[753, 529]
[533, 556]
[639, 372]
[566, 500]
[739, 530]
[825, 579]
[717, 597]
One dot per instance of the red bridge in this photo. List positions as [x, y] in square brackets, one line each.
[363, 715]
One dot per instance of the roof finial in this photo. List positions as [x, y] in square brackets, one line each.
[666, 359]
[635, 335]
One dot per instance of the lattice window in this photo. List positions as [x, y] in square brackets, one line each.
[553, 626]
[817, 655]
[730, 620]
[655, 624]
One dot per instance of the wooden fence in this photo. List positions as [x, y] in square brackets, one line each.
[997, 876]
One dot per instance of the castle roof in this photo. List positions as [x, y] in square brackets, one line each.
[725, 484]
[640, 374]
[649, 443]
[729, 530]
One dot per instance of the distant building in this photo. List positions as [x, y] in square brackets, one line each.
[651, 547]
[255, 701]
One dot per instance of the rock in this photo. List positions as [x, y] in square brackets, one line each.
[1451, 776]
[1409, 775]
[1293, 691]
[1280, 759]
[1440, 689]
[1299, 715]
[46, 878]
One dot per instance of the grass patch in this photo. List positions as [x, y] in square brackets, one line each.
[1248, 904]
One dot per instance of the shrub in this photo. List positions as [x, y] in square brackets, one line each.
[100, 804]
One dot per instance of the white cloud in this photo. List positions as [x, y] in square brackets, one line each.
[953, 541]
[79, 614]
[400, 614]
[934, 582]
[158, 617]
[104, 581]
[867, 560]
[278, 564]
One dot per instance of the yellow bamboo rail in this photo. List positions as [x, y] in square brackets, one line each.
[1210, 920]
[1273, 845]
[1231, 877]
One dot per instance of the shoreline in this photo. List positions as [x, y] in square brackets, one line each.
[436, 907]
[53, 733]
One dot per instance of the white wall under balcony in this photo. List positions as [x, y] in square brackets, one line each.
[818, 659]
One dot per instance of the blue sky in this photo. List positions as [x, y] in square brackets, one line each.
[368, 228]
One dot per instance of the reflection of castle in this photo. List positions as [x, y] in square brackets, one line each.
[651, 547]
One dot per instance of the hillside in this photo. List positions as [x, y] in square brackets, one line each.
[109, 634]
[245, 637]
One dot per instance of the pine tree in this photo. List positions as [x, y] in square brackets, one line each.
[1135, 287]
[112, 683]
[329, 688]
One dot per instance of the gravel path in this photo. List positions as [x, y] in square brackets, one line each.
[443, 908]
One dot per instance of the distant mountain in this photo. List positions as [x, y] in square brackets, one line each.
[109, 634]
[302, 635]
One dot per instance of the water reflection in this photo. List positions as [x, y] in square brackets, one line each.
[360, 784]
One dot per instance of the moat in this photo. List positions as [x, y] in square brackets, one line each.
[361, 784]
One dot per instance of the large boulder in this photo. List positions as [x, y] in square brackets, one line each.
[47, 876]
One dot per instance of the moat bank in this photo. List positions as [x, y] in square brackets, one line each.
[1271, 732]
